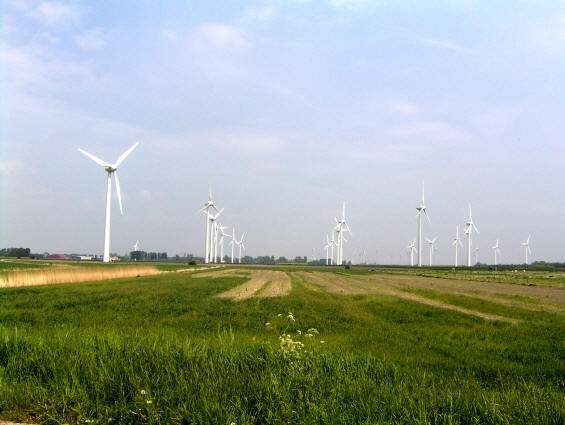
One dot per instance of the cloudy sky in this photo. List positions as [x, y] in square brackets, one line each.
[287, 108]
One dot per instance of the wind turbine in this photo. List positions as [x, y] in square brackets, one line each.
[341, 226]
[110, 169]
[421, 209]
[333, 245]
[223, 234]
[327, 248]
[468, 232]
[136, 246]
[240, 243]
[431, 243]
[526, 245]
[457, 241]
[214, 236]
[206, 210]
[411, 248]
[232, 243]
[496, 249]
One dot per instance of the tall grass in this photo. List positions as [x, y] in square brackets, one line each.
[71, 274]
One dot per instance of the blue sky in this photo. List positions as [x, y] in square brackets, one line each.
[287, 108]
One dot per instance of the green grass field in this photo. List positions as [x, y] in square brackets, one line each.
[164, 349]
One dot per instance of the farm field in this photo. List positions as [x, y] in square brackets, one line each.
[287, 344]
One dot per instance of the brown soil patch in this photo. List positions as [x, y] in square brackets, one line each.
[344, 285]
[261, 283]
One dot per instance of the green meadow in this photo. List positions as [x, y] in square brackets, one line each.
[163, 349]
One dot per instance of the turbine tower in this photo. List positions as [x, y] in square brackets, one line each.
[341, 226]
[206, 210]
[468, 232]
[110, 169]
[232, 243]
[333, 245]
[214, 236]
[526, 245]
[136, 246]
[411, 248]
[223, 235]
[240, 244]
[421, 209]
[496, 249]
[457, 241]
[431, 243]
[327, 248]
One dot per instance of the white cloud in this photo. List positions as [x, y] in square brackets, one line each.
[443, 44]
[429, 131]
[8, 167]
[92, 39]
[221, 37]
[54, 13]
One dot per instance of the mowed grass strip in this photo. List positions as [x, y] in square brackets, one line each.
[87, 351]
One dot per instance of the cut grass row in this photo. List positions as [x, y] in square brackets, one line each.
[86, 351]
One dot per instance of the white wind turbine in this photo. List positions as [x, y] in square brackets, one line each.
[341, 226]
[240, 244]
[327, 248]
[333, 245]
[431, 243]
[232, 243]
[206, 210]
[526, 245]
[496, 249]
[421, 209]
[457, 241]
[468, 232]
[136, 246]
[214, 236]
[110, 169]
[411, 248]
[223, 235]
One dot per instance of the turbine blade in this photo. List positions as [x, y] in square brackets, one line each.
[95, 159]
[125, 154]
[118, 191]
[476, 230]
[427, 216]
[423, 203]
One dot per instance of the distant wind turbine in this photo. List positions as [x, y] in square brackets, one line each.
[411, 248]
[456, 242]
[496, 249]
[110, 169]
[240, 244]
[206, 210]
[468, 232]
[433, 249]
[232, 243]
[421, 209]
[526, 245]
[136, 246]
[341, 226]
[223, 235]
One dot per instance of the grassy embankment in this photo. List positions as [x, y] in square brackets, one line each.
[163, 349]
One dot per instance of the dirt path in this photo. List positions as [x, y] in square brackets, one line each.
[261, 283]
